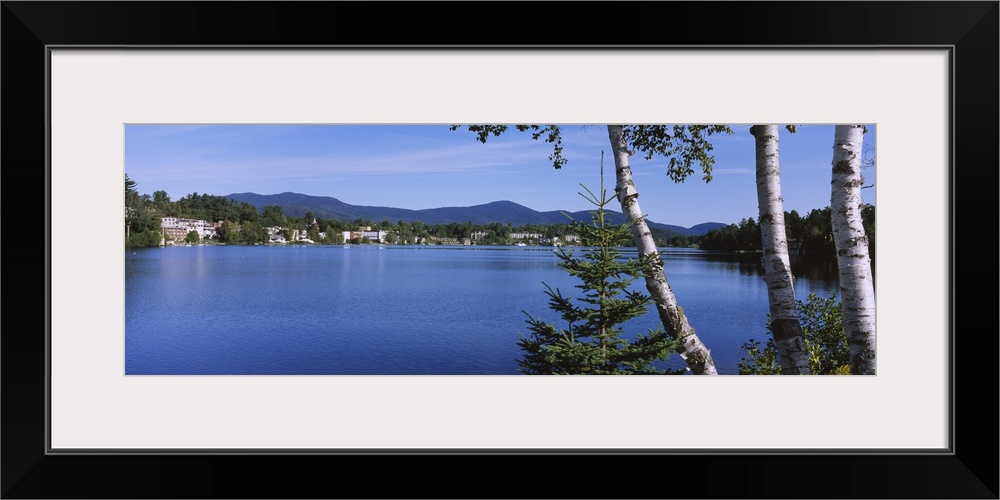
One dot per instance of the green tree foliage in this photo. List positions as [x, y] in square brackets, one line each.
[273, 216]
[684, 146]
[252, 233]
[868, 219]
[147, 238]
[229, 233]
[161, 201]
[130, 184]
[815, 233]
[142, 223]
[214, 208]
[552, 134]
[192, 237]
[593, 342]
[742, 237]
[132, 204]
[825, 339]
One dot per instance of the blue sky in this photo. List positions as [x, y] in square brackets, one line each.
[429, 166]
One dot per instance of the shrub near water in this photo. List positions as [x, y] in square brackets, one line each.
[825, 341]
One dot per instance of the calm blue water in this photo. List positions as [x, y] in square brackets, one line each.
[398, 310]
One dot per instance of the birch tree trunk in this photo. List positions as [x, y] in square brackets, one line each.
[692, 350]
[857, 290]
[785, 328]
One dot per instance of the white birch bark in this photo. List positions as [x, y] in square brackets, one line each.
[692, 350]
[785, 328]
[857, 290]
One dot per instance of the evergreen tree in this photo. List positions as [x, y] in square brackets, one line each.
[593, 342]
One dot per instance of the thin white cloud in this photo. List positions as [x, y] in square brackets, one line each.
[434, 160]
[733, 171]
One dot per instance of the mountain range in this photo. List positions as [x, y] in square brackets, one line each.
[296, 204]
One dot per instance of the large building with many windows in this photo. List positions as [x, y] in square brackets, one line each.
[175, 228]
[525, 236]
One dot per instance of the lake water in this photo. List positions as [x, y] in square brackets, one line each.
[400, 310]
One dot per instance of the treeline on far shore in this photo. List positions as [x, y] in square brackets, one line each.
[812, 234]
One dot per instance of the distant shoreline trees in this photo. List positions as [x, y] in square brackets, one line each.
[812, 234]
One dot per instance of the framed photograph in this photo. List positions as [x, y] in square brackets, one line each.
[94, 99]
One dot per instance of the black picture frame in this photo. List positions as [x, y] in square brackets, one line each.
[970, 28]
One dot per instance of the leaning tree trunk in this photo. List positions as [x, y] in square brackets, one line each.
[857, 290]
[785, 328]
[692, 350]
